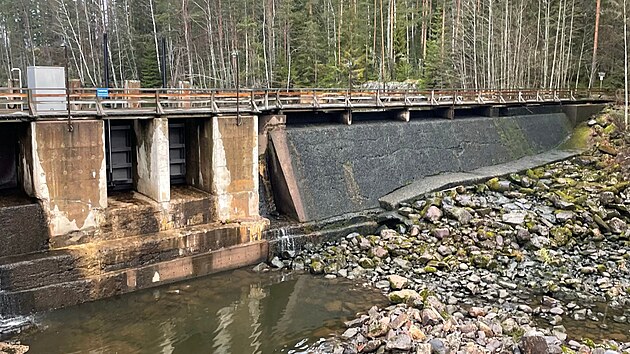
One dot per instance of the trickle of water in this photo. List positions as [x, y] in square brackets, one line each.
[287, 241]
[10, 326]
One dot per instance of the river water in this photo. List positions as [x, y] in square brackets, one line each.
[235, 312]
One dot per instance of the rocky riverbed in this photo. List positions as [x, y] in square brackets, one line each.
[527, 263]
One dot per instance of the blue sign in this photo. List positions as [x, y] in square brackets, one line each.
[102, 92]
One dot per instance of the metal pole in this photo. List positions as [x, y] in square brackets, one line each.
[238, 88]
[65, 51]
[105, 61]
[163, 62]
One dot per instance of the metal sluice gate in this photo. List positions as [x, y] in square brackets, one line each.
[120, 146]
[177, 152]
[119, 151]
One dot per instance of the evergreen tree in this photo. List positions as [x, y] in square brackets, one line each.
[149, 70]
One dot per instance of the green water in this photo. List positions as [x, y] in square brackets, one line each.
[237, 312]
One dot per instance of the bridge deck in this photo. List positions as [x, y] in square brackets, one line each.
[29, 104]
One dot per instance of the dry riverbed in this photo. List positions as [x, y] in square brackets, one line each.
[527, 263]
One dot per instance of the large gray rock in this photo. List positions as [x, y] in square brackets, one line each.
[400, 342]
[462, 215]
[534, 345]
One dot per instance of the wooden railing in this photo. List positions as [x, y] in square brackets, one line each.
[87, 102]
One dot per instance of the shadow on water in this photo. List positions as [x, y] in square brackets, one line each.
[236, 312]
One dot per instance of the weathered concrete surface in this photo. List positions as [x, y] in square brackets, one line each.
[579, 113]
[224, 163]
[283, 179]
[72, 275]
[68, 170]
[152, 164]
[448, 180]
[341, 169]
[23, 229]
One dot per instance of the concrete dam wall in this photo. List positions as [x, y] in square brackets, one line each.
[324, 171]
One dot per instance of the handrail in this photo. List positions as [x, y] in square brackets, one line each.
[91, 101]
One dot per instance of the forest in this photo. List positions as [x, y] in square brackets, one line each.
[319, 43]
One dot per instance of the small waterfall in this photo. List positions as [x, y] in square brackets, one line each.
[287, 246]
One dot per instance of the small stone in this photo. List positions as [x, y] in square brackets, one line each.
[498, 185]
[441, 233]
[424, 348]
[366, 263]
[6, 348]
[444, 251]
[379, 252]
[377, 328]
[433, 213]
[514, 218]
[400, 342]
[260, 267]
[525, 308]
[399, 321]
[606, 198]
[405, 211]
[468, 328]
[397, 282]
[371, 346]
[317, 267]
[277, 263]
[534, 345]
[509, 326]
[350, 332]
[607, 149]
[402, 263]
[463, 216]
[430, 317]
[617, 225]
[437, 346]
[476, 312]
[416, 333]
[403, 296]
[556, 311]
[485, 329]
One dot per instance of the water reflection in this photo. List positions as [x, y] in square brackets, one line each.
[237, 312]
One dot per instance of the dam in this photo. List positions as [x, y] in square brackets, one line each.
[111, 193]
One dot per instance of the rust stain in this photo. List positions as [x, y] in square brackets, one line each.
[71, 163]
[239, 143]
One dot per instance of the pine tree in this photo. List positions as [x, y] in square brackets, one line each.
[149, 70]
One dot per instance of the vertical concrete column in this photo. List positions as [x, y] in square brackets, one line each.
[153, 176]
[68, 171]
[222, 159]
[235, 167]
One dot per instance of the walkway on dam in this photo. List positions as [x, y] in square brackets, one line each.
[51, 103]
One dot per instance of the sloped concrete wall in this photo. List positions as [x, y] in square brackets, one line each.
[337, 169]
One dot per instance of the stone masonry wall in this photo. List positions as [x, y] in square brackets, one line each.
[340, 169]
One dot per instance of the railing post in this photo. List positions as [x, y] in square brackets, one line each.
[32, 108]
[266, 98]
[158, 106]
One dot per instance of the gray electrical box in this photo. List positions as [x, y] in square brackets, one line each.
[48, 87]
